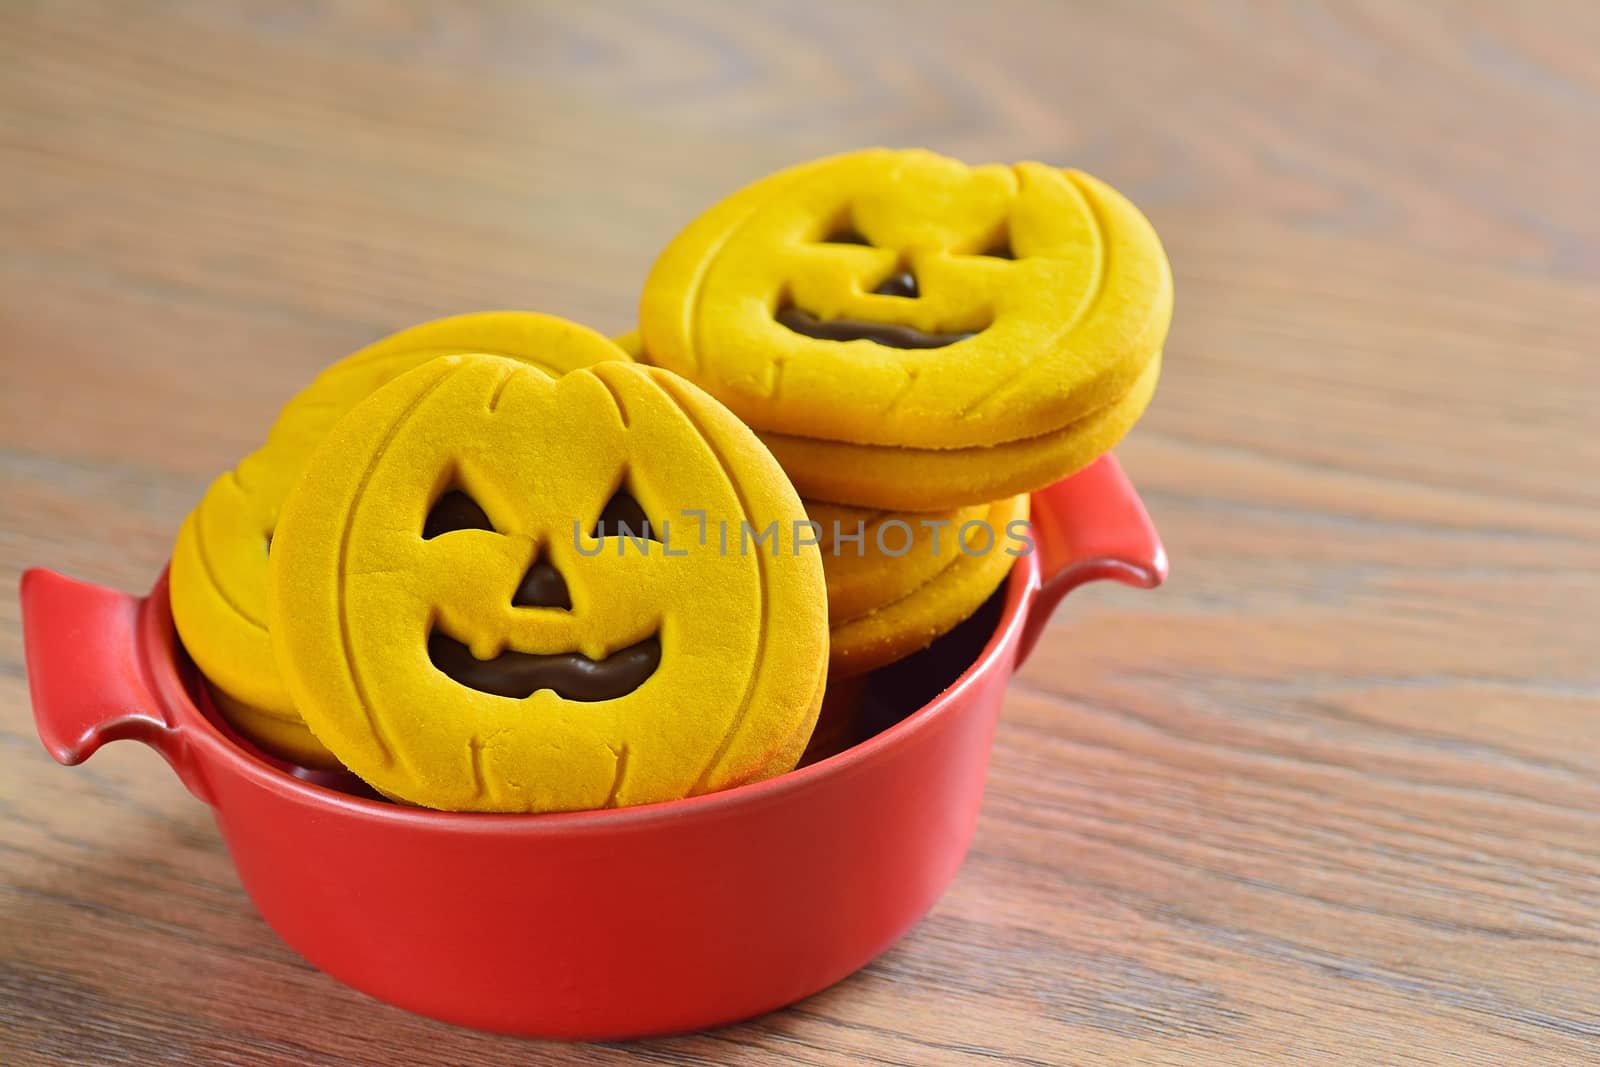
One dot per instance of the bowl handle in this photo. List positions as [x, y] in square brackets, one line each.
[88, 675]
[1088, 527]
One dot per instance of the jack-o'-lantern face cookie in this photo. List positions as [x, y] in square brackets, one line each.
[219, 566]
[461, 621]
[903, 299]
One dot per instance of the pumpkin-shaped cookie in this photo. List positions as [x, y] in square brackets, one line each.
[496, 590]
[914, 315]
[219, 565]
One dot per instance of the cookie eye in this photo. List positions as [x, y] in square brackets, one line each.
[1000, 248]
[845, 233]
[455, 510]
[624, 517]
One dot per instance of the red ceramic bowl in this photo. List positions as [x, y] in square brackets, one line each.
[647, 920]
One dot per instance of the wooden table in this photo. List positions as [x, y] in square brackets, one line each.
[1333, 794]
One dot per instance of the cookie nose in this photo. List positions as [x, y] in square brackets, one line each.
[542, 587]
[902, 284]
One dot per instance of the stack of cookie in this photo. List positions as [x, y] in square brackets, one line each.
[921, 344]
[500, 563]
[458, 569]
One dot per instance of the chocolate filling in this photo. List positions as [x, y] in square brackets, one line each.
[623, 516]
[847, 235]
[901, 284]
[542, 587]
[454, 510]
[883, 333]
[1001, 250]
[571, 675]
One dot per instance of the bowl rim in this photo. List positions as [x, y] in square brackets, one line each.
[164, 660]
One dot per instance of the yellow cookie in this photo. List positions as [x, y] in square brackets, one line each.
[873, 477]
[219, 566]
[903, 299]
[873, 558]
[981, 551]
[460, 618]
[927, 479]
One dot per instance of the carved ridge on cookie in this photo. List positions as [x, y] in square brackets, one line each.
[390, 432]
[702, 782]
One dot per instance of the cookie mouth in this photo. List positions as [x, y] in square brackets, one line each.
[902, 284]
[570, 675]
[890, 335]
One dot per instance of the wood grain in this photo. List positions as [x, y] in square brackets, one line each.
[1332, 795]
